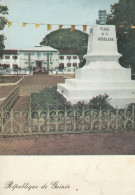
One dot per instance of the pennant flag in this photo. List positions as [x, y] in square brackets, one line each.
[84, 27]
[9, 24]
[60, 26]
[133, 27]
[49, 26]
[72, 27]
[121, 26]
[37, 25]
[24, 24]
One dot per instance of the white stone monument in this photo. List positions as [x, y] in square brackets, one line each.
[102, 72]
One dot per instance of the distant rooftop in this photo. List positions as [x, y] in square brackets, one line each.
[72, 52]
[10, 51]
[39, 48]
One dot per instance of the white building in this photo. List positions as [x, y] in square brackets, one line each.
[10, 59]
[68, 59]
[39, 58]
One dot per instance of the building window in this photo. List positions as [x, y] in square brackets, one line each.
[74, 57]
[44, 54]
[74, 64]
[14, 57]
[38, 54]
[7, 57]
[68, 64]
[61, 57]
[32, 54]
[25, 54]
[68, 57]
[26, 62]
[61, 66]
[15, 66]
[51, 65]
[44, 66]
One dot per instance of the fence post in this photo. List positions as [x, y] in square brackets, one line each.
[21, 119]
[11, 115]
[48, 115]
[65, 118]
[133, 113]
[100, 118]
[2, 121]
[83, 118]
[108, 120]
[20, 90]
[74, 121]
[39, 120]
[29, 118]
[125, 119]
[91, 119]
[56, 119]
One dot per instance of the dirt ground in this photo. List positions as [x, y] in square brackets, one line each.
[42, 79]
[6, 90]
[113, 143]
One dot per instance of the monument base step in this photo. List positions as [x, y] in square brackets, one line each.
[116, 102]
[83, 84]
[118, 96]
[103, 74]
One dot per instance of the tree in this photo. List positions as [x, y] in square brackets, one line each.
[64, 39]
[82, 62]
[3, 22]
[123, 16]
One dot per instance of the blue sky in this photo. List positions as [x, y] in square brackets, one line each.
[79, 12]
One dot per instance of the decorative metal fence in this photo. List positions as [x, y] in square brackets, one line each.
[10, 100]
[61, 121]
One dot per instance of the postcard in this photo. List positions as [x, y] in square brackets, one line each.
[67, 97]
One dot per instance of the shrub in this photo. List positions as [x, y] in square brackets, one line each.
[49, 97]
[101, 101]
[131, 106]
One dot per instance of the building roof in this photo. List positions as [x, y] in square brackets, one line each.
[39, 48]
[71, 52]
[10, 51]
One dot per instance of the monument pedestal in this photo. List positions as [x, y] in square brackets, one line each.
[102, 73]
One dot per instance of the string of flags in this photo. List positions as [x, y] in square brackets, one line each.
[122, 26]
[49, 26]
